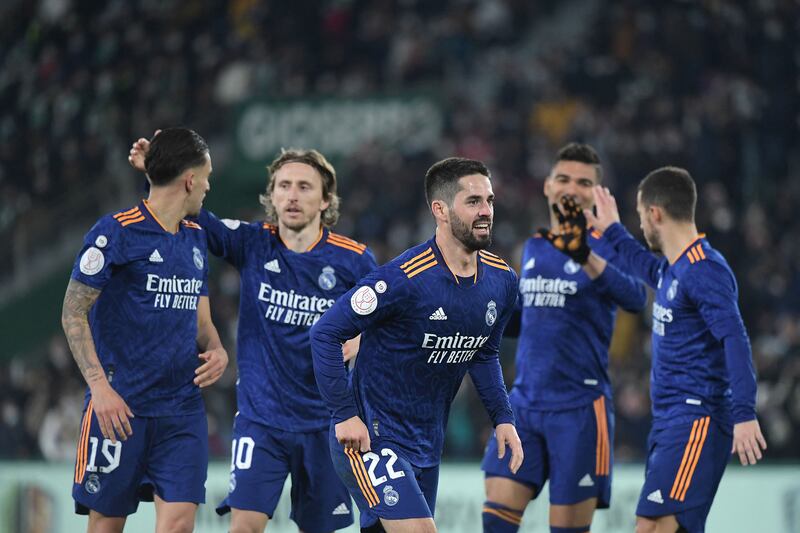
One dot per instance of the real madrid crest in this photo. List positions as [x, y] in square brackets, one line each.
[390, 496]
[571, 267]
[327, 280]
[198, 258]
[491, 313]
[673, 290]
[92, 484]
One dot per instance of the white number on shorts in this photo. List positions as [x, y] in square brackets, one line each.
[242, 455]
[111, 457]
[373, 463]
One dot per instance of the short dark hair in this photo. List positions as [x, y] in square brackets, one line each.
[173, 151]
[673, 190]
[582, 153]
[441, 180]
[315, 160]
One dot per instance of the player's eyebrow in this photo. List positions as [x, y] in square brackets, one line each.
[488, 197]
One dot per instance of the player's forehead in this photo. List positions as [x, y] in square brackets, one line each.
[295, 171]
[474, 185]
[574, 170]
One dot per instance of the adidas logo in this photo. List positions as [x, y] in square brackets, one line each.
[155, 257]
[586, 481]
[341, 509]
[655, 496]
[438, 315]
[529, 264]
[273, 266]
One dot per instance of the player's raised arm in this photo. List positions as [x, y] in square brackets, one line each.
[111, 410]
[633, 256]
[212, 353]
[572, 240]
[623, 289]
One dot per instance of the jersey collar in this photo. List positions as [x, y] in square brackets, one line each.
[446, 268]
[321, 238]
[146, 209]
[700, 236]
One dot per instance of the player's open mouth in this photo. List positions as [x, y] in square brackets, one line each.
[482, 228]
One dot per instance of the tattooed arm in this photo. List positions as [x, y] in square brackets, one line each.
[111, 410]
[213, 355]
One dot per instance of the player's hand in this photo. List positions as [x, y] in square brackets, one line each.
[350, 348]
[748, 442]
[139, 152]
[571, 239]
[353, 434]
[507, 434]
[215, 362]
[112, 412]
[606, 211]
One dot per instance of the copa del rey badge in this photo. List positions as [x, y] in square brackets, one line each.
[92, 261]
[364, 301]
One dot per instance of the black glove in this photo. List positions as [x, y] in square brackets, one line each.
[571, 239]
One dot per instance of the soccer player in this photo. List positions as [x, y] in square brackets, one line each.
[292, 269]
[428, 317]
[135, 315]
[569, 290]
[702, 383]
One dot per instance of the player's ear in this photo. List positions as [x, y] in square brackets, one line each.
[439, 210]
[188, 181]
[656, 214]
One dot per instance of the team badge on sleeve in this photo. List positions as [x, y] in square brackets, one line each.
[101, 241]
[198, 258]
[92, 261]
[327, 280]
[231, 223]
[491, 313]
[364, 301]
[380, 287]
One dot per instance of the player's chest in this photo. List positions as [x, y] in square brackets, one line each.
[549, 279]
[166, 274]
[451, 327]
[671, 308]
[173, 256]
[300, 274]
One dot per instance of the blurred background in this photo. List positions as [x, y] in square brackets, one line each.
[385, 88]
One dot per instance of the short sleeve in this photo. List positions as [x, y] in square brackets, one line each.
[103, 249]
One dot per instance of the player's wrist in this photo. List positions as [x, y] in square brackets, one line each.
[99, 385]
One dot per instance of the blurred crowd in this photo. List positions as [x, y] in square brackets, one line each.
[710, 85]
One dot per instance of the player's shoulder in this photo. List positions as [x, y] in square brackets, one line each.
[414, 262]
[701, 264]
[344, 243]
[124, 218]
[494, 261]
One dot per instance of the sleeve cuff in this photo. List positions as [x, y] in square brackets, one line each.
[743, 414]
[505, 418]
